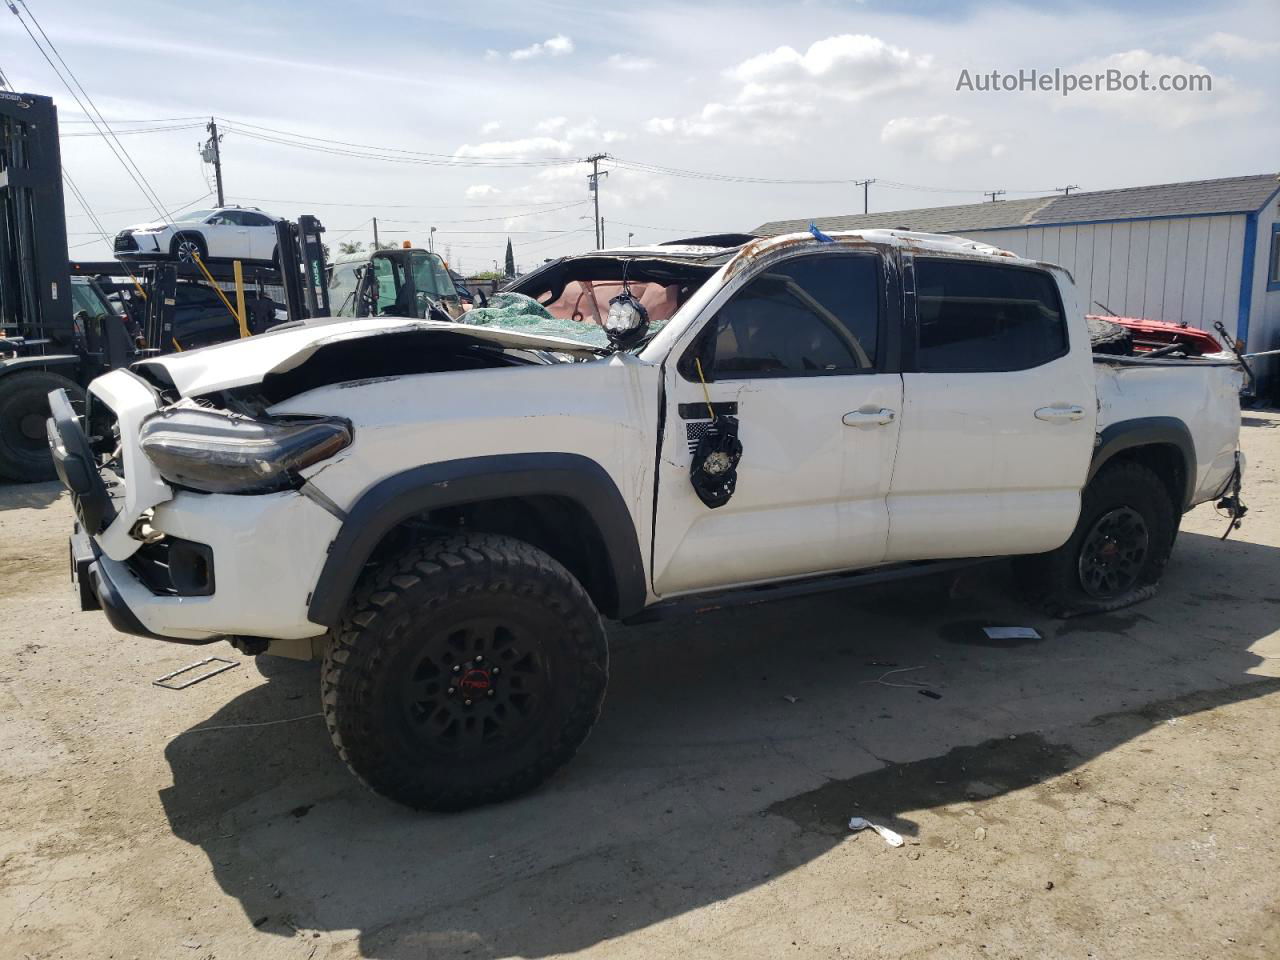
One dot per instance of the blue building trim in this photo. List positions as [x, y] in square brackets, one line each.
[1272, 284]
[1246, 276]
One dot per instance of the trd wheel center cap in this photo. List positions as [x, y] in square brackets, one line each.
[475, 680]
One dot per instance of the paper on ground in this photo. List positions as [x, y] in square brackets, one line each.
[1011, 633]
[889, 837]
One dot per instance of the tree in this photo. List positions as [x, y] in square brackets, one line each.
[351, 246]
[511, 260]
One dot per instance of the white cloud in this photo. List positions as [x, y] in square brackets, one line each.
[941, 137]
[551, 124]
[844, 67]
[481, 190]
[1167, 108]
[782, 90]
[491, 127]
[1229, 46]
[492, 55]
[630, 64]
[556, 46]
[529, 146]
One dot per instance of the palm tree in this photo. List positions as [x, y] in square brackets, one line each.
[351, 246]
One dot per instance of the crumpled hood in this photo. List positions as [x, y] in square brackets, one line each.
[239, 363]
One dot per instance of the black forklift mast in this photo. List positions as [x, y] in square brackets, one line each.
[302, 268]
[35, 283]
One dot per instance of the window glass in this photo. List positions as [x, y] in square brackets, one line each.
[226, 219]
[385, 272]
[804, 316]
[430, 277]
[342, 289]
[250, 219]
[84, 298]
[985, 317]
[1273, 276]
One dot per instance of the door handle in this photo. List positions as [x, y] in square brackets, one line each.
[1060, 414]
[869, 417]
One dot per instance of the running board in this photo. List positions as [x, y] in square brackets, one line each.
[765, 593]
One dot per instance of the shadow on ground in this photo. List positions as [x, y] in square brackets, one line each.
[733, 748]
[31, 496]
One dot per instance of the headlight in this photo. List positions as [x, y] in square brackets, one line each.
[220, 452]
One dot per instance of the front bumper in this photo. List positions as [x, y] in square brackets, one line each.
[267, 549]
[98, 591]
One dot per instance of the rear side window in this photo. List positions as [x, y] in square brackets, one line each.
[976, 317]
[805, 316]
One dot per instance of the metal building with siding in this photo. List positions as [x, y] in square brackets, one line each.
[1188, 253]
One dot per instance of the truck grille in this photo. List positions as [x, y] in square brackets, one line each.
[125, 241]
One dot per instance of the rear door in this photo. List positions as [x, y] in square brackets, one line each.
[799, 353]
[260, 234]
[999, 412]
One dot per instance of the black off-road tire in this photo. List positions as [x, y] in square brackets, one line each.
[1132, 493]
[389, 722]
[24, 408]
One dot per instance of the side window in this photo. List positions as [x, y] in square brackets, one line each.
[976, 317]
[342, 289]
[386, 273]
[1273, 270]
[806, 316]
[250, 219]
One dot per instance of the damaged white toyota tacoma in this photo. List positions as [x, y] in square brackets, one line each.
[443, 512]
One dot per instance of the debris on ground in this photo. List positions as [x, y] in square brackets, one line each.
[1011, 633]
[887, 835]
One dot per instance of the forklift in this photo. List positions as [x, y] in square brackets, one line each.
[59, 330]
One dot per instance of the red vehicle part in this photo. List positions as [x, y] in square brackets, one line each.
[1150, 335]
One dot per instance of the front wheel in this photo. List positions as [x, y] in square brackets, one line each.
[464, 671]
[188, 248]
[1118, 550]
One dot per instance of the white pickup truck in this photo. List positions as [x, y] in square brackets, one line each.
[443, 511]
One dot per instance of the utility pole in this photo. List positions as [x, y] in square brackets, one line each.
[601, 233]
[213, 155]
[865, 194]
[1066, 191]
[593, 179]
[375, 233]
[993, 194]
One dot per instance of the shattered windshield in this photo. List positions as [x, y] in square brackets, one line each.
[570, 298]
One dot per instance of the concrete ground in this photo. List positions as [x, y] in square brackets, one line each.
[1111, 790]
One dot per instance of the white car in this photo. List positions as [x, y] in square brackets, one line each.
[224, 233]
[442, 512]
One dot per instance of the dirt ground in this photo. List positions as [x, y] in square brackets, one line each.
[1111, 790]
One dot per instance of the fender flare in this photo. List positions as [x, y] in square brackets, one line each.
[38, 362]
[1146, 432]
[391, 501]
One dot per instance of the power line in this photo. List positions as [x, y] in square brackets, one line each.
[113, 142]
[372, 204]
[514, 216]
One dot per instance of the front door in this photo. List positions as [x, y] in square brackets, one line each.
[797, 353]
[998, 415]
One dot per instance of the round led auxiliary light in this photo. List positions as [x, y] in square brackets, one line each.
[628, 320]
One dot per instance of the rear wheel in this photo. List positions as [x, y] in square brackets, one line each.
[464, 672]
[24, 410]
[1119, 548]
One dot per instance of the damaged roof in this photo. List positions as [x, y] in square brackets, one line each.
[1197, 197]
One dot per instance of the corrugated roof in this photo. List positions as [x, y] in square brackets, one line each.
[1228, 195]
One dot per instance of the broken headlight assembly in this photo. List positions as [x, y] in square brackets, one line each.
[215, 451]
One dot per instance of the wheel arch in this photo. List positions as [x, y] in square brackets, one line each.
[51, 363]
[1163, 444]
[565, 504]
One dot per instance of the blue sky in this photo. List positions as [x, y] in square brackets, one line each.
[807, 90]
